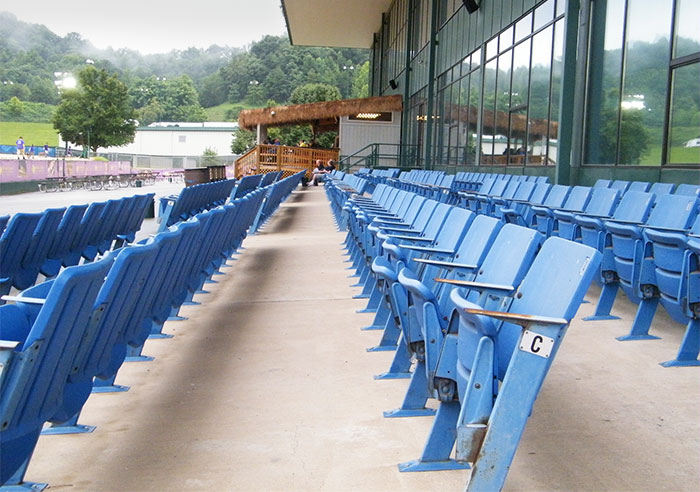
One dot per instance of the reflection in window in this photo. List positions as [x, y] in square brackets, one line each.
[687, 35]
[523, 27]
[519, 99]
[557, 67]
[488, 115]
[684, 131]
[644, 86]
[544, 14]
[474, 94]
[604, 83]
[539, 95]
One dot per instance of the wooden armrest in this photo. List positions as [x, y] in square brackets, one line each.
[475, 285]
[665, 229]
[27, 300]
[8, 345]
[428, 250]
[412, 238]
[520, 319]
[446, 264]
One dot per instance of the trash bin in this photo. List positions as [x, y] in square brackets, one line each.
[151, 209]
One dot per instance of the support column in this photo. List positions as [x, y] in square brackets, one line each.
[568, 91]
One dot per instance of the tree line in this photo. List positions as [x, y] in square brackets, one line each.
[174, 86]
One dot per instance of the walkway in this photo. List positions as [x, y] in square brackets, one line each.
[268, 387]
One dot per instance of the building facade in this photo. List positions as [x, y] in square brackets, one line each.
[574, 89]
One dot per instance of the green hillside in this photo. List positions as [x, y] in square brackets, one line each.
[225, 112]
[36, 134]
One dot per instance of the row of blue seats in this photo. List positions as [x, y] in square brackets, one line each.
[34, 243]
[623, 223]
[68, 337]
[249, 183]
[274, 196]
[201, 197]
[341, 186]
[481, 306]
[192, 200]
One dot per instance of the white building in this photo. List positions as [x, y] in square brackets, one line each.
[178, 139]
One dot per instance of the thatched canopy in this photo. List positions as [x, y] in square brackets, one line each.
[323, 116]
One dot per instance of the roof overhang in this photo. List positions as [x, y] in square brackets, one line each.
[322, 115]
[335, 23]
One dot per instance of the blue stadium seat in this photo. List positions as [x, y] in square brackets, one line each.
[671, 213]
[422, 301]
[514, 345]
[66, 234]
[665, 270]
[14, 242]
[37, 250]
[602, 204]
[40, 340]
[543, 216]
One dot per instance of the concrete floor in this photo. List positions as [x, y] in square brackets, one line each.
[268, 387]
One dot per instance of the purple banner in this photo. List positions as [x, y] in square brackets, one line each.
[12, 170]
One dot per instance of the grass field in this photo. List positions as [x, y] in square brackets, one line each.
[218, 113]
[36, 134]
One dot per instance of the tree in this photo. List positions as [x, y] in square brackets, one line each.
[242, 140]
[210, 157]
[310, 93]
[360, 81]
[97, 112]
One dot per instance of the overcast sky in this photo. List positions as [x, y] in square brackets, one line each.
[155, 26]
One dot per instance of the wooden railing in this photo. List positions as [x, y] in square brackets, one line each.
[267, 158]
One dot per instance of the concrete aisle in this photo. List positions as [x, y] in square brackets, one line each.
[268, 387]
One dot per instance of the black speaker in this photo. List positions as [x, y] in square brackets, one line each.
[471, 5]
[393, 84]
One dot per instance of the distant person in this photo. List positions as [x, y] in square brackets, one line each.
[303, 143]
[20, 148]
[318, 173]
[69, 152]
[31, 151]
[330, 167]
[46, 150]
[277, 142]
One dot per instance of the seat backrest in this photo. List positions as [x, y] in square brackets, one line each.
[43, 236]
[602, 183]
[621, 185]
[540, 193]
[499, 186]
[114, 306]
[4, 219]
[639, 186]
[437, 219]
[578, 198]
[88, 224]
[557, 196]
[603, 201]
[524, 190]
[67, 231]
[486, 185]
[453, 228]
[688, 189]
[554, 286]
[635, 207]
[661, 188]
[674, 212]
[53, 341]
[512, 188]
[15, 240]
[509, 257]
